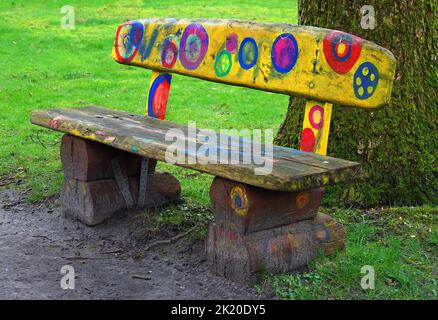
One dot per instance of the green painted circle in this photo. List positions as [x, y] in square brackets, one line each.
[223, 63]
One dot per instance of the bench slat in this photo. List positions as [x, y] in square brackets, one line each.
[319, 64]
[293, 170]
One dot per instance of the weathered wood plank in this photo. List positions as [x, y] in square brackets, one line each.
[146, 136]
[319, 64]
[328, 163]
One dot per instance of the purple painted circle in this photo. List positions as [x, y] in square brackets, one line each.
[284, 53]
[193, 46]
[232, 42]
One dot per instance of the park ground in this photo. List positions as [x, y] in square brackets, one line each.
[43, 65]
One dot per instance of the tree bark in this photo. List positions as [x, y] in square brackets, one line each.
[397, 144]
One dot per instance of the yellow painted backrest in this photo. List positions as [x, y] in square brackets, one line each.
[318, 64]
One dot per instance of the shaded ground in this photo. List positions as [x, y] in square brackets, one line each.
[109, 260]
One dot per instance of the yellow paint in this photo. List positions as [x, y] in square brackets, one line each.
[154, 76]
[319, 81]
[313, 120]
[293, 241]
[88, 135]
[341, 48]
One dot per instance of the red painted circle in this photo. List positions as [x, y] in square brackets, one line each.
[307, 140]
[127, 46]
[341, 62]
[169, 54]
[160, 98]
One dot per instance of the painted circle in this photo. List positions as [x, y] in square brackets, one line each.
[321, 233]
[231, 43]
[239, 201]
[169, 53]
[307, 140]
[341, 50]
[341, 47]
[193, 46]
[365, 80]
[284, 53]
[223, 63]
[158, 96]
[302, 199]
[316, 117]
[248, 53]
[128, 39]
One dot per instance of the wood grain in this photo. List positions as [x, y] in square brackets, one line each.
[292, 170]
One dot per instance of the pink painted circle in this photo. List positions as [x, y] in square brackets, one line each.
[232, 42]
[314, 121]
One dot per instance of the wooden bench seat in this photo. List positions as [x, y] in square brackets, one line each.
[292, 170]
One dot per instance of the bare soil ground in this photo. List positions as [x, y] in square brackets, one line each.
[109, 260]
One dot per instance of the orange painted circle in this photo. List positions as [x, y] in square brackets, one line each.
[302, 199]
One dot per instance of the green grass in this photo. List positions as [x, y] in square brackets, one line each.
[44, 66]
[400, 243]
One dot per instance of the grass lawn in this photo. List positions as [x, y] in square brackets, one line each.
[43, 65]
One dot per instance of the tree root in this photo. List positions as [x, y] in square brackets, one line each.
[169, 241]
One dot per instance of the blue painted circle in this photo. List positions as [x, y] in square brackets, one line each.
[136, 33]
[285, 52]
[338, 39]
[362, 79]
[238, 201]
[248, 46]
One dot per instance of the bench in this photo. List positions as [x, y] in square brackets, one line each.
[263, 219]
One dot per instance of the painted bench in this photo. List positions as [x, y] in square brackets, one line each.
[262, 221]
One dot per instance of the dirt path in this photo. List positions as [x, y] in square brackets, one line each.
[36, 241]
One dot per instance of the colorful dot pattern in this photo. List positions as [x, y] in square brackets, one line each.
[365, 80]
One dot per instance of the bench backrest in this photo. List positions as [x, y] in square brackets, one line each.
[319, 64]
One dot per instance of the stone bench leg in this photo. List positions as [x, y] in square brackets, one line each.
[257, 229]
[90, 192]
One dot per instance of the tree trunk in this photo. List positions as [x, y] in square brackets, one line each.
[397, 144]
